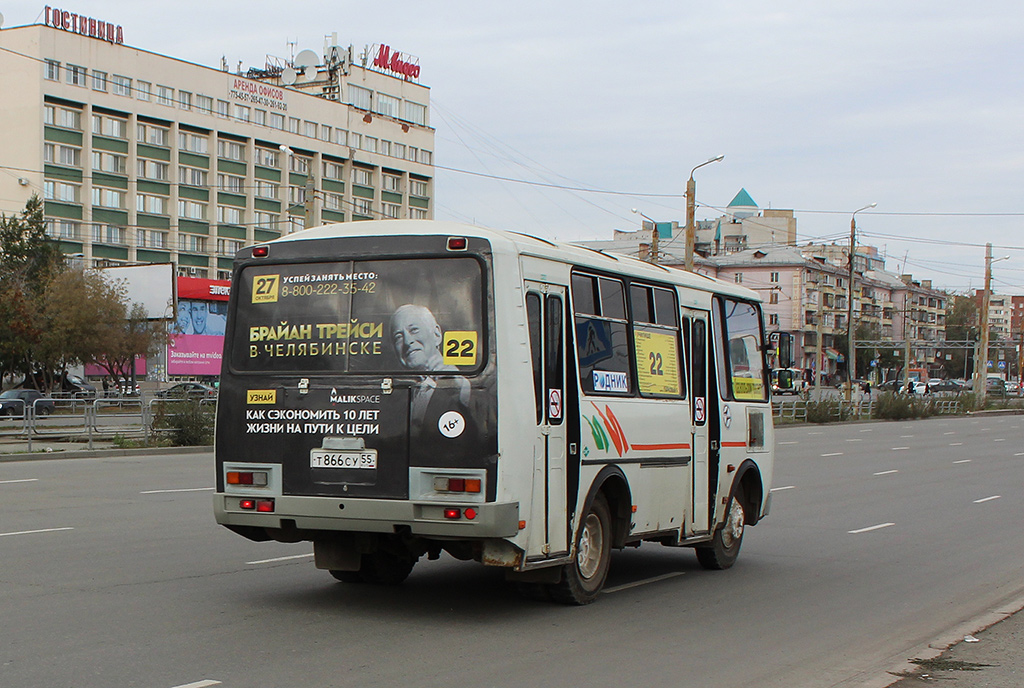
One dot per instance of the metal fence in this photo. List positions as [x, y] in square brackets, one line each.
[75, 418]
[861, 409]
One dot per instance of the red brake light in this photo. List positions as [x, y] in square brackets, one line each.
[453, 513]
[260, 251]
[470, 514]
[247, 504]
[265, 505]
[458, 243]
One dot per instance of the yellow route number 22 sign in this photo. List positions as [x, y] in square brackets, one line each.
[657, 362]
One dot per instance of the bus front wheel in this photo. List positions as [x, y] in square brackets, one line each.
[583, 579]
[725, 545]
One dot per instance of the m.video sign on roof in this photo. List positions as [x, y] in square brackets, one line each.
[86, 26]
[395, 62]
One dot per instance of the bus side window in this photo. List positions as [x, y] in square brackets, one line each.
[553, 356]
[533, 319]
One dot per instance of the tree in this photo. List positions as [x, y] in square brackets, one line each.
[961, 325]
[137, 336]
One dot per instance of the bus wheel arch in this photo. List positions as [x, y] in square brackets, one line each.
[750, 486]
[611, 481]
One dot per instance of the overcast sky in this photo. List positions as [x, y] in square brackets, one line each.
[822, 107]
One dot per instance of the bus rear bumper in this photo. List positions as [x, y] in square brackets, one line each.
[475, 520]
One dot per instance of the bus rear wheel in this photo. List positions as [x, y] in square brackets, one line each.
[725, 545]
[583, 579]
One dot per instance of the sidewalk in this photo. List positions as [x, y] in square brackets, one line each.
[17, 449]
[990, 658]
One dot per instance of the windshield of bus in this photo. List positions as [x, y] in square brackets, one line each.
[415, 316]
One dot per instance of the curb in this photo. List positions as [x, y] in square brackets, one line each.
[103, 453]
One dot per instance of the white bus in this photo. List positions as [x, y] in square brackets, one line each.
[399, 388]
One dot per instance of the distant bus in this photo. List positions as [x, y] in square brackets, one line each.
[400, 388]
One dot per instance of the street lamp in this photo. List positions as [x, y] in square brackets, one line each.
[851, 361]
[981, 362]
[691, 192]
[654, 235]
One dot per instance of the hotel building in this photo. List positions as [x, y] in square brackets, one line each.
[145, 158]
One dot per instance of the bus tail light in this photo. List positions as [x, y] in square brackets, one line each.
[447, 484]
[458, 243]
[260, 251]
[453, 513]
[253, 478]
[265, 506]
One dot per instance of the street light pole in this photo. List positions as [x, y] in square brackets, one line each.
[851, 361]
[691, 192]
[981, 364]
[654, 236]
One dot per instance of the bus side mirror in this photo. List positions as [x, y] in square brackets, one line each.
[785, 350]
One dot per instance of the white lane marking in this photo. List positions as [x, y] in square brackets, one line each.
[949, 433]
[899, 448]
[779, 489]
[32, 532]
[833, 454]
[887, 472]
[23, 480]
[868, 430]
[206, 683]
[999, 439]
[963, 461]
[789, 443]
[1019, 454]
[636, 584]
[184, 489]
[856, 439]
[904, 437]
[987, 499]
[815, 433]
[275, 559]
[956, 444]
[870, 528]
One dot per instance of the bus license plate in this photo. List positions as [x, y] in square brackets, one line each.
[324, 458]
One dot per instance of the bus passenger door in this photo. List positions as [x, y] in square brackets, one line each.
[695, 336]
[545, 310]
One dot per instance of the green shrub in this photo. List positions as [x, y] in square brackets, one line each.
[826, 411]
[891, 406]
[190, 423]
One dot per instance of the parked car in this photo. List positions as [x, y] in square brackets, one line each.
[188, 390]
[1013, 388]
[889, 385]
[13, 402]
[78, 387]
[995, 387]
[944, 386]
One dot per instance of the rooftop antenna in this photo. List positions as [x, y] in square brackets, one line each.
[291, 49]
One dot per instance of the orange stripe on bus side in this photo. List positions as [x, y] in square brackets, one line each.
[734, 444]
[654, 447]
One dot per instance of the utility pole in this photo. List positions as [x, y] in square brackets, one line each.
[821, 350]
[851, 363]
[691, 203]
[981, 364]
[310, 206]
[906, 340]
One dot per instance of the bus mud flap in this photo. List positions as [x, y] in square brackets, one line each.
[501, 553]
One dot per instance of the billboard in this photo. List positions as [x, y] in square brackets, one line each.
[197, 335]
[149, 285]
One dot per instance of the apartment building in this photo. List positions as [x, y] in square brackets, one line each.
[147, 158]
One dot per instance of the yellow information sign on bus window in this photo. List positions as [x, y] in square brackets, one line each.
[748, 388]
[657, 362]
[264, 288]
[459, 348]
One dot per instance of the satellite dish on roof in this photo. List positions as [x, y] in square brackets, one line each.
[305, 65]
[1, 20]
[288, 76]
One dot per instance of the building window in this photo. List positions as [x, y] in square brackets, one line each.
[192, 176]
[109, 234]
[738, 277]
[341, 137]
[231, 183]
[773, 319]
[296, 195]
[391, 210]
[418, 188]
[774, 277]
[333, 201]
[426, 157]
[362, 177]
[362, 206]
[52, 72]
[229, 247]
[418, 213]
[165, 96]
[276, 121]
[191, 210]
[194, 143]
[293, 125]
[62, 117]
[192, 243]
[62, 155]
[108, 198]
[370, 144]
[231, 150]
[310, 130]
[260, 117]
[75, 75]
[204, 104]
[121, 85]
[334, 170]
[359, 97]
[265, 189]
[99, 81]
[151, 238]
[154, 135]
[399, 150]
[388, 105]
[773, 297]
[416, 113]
[227, 214]
[355, 140]
[392, 183]
[109, 126]
[385, 147]
[109, 162]
[241, 113]
[266, 157]
[223, 108]
[60, 191]
[299, 164]
[265, 220]
[152, 169]
[142, 90]
[185, 100]
[63, 229]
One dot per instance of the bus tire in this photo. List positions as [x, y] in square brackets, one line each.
[385, 568]
[725, 545]
[583, 579]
